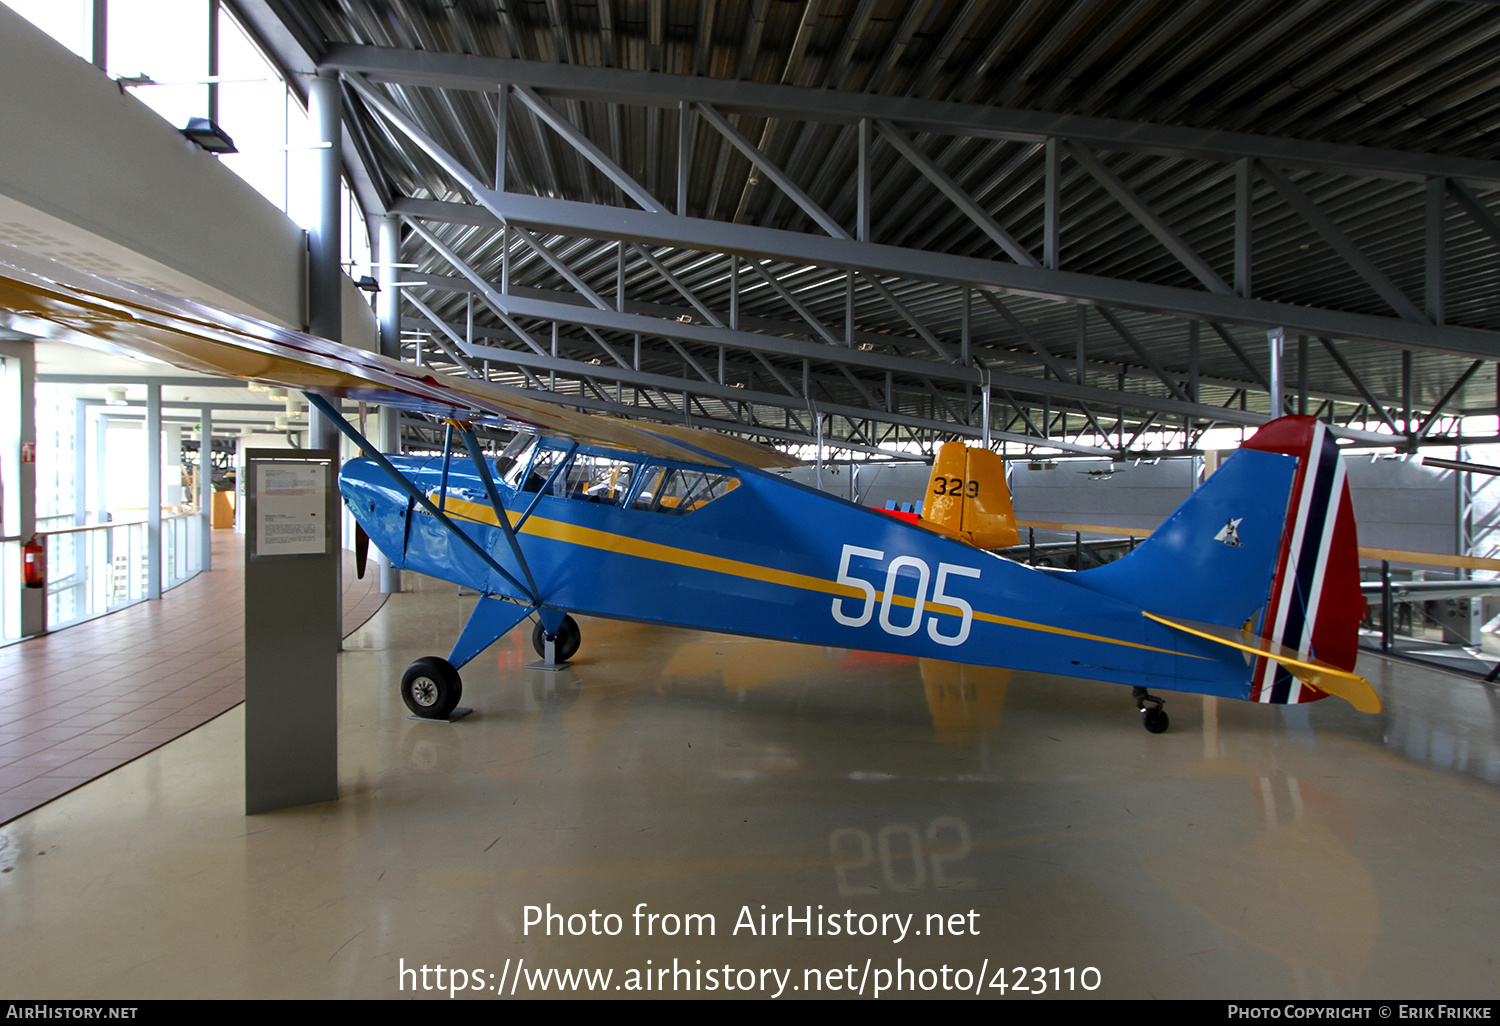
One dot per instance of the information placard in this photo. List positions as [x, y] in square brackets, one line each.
[291, 509]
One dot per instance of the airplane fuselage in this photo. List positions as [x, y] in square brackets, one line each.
[773, 559]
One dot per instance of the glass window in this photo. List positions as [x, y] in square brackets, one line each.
[669, 490]
[510, 463]
[545, 461]
[168, 40]
[599, 479]
[253, 111]
[70, 22]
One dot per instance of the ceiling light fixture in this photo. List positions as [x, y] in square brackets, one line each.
[209, 136]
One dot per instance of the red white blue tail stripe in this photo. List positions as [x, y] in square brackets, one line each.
[1314, 605]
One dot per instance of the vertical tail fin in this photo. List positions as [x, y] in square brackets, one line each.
[968, 498]
[1267, 544]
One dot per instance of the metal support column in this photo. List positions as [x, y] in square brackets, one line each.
[80, 462]
[325, 300]
[153, 491]
[1193, 355]
[1302, 375]
[100, 46]
[20, 475]
[1276, 342]
[324, 292]
[206, 486]
[1387, 630]
[386, 233]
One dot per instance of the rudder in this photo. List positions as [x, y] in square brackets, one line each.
[1314, 606]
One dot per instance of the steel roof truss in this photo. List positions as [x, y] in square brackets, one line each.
[1148, 219]
[463, 71]
[770, 170]
[1442, 403]
[551, 259]
[1359, 384]
[948, 187]
[588, 149]
[1342, 245]
[677, 284]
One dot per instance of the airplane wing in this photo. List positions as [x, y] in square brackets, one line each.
[1351, 687]
[48, 299]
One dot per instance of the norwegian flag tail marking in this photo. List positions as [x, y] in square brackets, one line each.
[1314, 606]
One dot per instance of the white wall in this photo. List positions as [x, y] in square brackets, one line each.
[92, 177]
[1398, 504]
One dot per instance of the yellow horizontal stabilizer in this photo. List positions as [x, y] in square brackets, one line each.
[1351, 687]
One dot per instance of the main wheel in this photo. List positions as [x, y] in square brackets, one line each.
[1155, 719]
[569, 637]
[431, 688]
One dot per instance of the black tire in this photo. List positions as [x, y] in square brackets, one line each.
[1155, 720]
[569, 637]
[431, 688]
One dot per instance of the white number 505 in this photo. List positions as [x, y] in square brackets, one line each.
[919, 602]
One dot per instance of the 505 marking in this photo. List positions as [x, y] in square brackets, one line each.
[886, 598]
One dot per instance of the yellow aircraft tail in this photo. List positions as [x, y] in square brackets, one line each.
[968, 499]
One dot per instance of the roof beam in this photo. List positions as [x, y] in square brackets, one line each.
[610, 85]
[573, 218]
[611, 320]
[677, 386]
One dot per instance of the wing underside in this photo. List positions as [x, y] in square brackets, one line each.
[51, 300]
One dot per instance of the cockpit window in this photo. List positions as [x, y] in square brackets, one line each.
[670, 490]
[510, 463]
[597, 479]
[610, 480]
[542, 466]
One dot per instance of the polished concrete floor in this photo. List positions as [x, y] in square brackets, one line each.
[85, 700]
[1248, 852]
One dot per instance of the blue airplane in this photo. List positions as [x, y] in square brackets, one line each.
[1250, 590]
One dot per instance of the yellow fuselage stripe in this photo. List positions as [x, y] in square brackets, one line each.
[573, 534]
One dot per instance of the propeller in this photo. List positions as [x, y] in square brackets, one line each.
[361, 551]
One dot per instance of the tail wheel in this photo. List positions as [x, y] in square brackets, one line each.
[568, 638]
[431, 688]
[1153, 717]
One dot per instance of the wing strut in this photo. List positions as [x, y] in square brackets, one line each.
[471, 442]
[400, 480]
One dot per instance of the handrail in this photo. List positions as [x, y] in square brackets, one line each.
[1431, 559]
[1132, 532]
[1391, 555]
[114, 523]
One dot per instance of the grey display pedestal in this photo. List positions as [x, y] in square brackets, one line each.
[291, 628]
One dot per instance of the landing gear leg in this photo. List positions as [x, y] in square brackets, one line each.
[1153, 716]
[555, 649]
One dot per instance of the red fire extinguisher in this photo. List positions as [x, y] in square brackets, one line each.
[34, 562]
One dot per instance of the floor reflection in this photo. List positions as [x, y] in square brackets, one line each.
[948, 816]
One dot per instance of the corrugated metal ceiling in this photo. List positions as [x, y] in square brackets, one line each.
[1416, 77]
